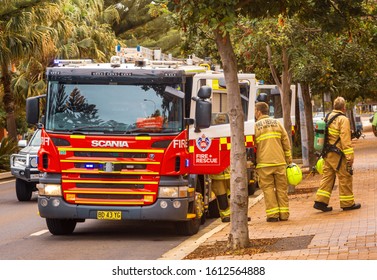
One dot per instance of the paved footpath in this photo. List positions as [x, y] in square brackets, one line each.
[336, 235]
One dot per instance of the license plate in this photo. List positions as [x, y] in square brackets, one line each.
[109, 215]
[34, 176]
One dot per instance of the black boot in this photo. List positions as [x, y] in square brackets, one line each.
[353, 207]
[225, 219]
[322, 206]
[222, 202]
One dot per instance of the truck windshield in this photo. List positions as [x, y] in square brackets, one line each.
[113, 109]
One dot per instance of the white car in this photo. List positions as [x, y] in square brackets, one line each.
[24, 166]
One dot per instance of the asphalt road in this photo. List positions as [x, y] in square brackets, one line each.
[24, 235]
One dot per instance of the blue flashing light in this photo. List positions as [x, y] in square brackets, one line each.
[187, 163]
[89, 165]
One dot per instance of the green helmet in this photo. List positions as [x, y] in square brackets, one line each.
[319, 165]
[294, 174]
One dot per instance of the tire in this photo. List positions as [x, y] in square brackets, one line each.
[24, 190]
[200, 199]
[188, 228]
[60, 226]
[192, 226]
[203, 218]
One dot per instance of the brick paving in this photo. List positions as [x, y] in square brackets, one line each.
[338, 235]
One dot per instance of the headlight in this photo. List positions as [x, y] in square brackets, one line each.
[33, 162]
[49, 189]
[19, 161]
[175, 192]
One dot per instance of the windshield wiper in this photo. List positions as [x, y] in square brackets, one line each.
[136, 129]
[81, 128]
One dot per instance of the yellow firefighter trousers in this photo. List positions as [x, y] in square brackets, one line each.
[273, 182]
[221, 189]
[323, 194]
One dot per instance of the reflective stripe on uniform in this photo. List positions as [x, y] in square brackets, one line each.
[260, 165]
[272, 211]
[346, 197]
[284, 210]
[334, 132]
[348, 151]
[323, 193]
[269, 136]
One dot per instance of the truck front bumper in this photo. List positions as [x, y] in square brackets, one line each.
[162, 209]
[27, 174]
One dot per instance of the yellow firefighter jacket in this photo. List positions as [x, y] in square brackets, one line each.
[341, 127]
[273, 145]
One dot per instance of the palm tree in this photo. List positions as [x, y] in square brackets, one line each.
[33, 32]
[20, 35]
[90, 30]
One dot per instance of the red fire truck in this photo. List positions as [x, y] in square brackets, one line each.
[134, 141]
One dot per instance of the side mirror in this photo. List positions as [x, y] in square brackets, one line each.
[32, 110]
[22, 143]
[203, 109]
[205, 92]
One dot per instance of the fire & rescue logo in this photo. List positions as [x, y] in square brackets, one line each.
[203, 143]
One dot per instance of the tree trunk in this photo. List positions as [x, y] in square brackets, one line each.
[239, 233]
[284, 87]
[8, 101]
[286, 94]
[309, 121]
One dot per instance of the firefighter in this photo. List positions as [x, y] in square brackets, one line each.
[338, 158]
[273, 155]
[221, 187]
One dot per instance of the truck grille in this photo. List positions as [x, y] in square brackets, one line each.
[101, 186]
[109, 196]
[110, 154]
[116, 177]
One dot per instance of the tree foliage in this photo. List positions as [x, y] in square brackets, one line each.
[140, 25]
[329, 45]
[33, 33]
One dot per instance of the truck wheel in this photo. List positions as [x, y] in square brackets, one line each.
[23, 190]
[192, 226]
[60, 226]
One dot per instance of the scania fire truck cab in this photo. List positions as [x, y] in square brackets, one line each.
[127, 141]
